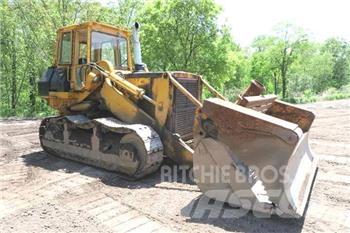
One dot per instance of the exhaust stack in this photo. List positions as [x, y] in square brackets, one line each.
[139, 65]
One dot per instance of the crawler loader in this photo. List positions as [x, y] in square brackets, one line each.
[117, 115]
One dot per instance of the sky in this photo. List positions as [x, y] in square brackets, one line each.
[320, 18]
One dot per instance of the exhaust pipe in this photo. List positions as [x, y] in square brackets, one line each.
[139, 65]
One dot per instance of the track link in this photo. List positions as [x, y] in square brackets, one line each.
[133, 150]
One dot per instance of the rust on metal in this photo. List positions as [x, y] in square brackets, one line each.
[255, 88]
[258, 132]
[184, 91]
[288, 112]
[254, 101]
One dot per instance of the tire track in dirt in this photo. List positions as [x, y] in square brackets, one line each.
[29, 195]
[17, 199]
[115, 215]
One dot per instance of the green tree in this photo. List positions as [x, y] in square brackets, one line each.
[291, 42]
[312, 71]
[184, 35]
[340, 50]
[274, 55]
[264, 62]
[176, 35]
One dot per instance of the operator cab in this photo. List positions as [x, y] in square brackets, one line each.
[78, 45]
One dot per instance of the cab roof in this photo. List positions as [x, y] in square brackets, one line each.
[94, 25]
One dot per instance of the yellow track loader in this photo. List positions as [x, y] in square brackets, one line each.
[117, 115]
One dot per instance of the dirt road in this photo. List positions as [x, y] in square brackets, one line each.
[40, 192]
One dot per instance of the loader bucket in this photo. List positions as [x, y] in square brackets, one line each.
[255, 154]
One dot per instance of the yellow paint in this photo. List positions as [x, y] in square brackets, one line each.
[160, 90]
[146, 98]
[121, 106]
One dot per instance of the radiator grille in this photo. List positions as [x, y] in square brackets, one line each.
[182, 117]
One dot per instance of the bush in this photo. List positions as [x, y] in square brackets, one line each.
[232, 94]
[336, 94]
[309, 96]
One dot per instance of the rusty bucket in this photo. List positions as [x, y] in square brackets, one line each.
[255, 153]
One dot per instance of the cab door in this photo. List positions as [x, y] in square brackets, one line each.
[80, 58]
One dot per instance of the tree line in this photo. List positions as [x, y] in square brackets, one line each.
[175, 35]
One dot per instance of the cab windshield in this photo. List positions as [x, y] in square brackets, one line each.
[109, 47]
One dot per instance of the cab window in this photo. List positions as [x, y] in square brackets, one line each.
[109, 47]
[123, 52]
[82, 46]
[66, 48]
[107, 52]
